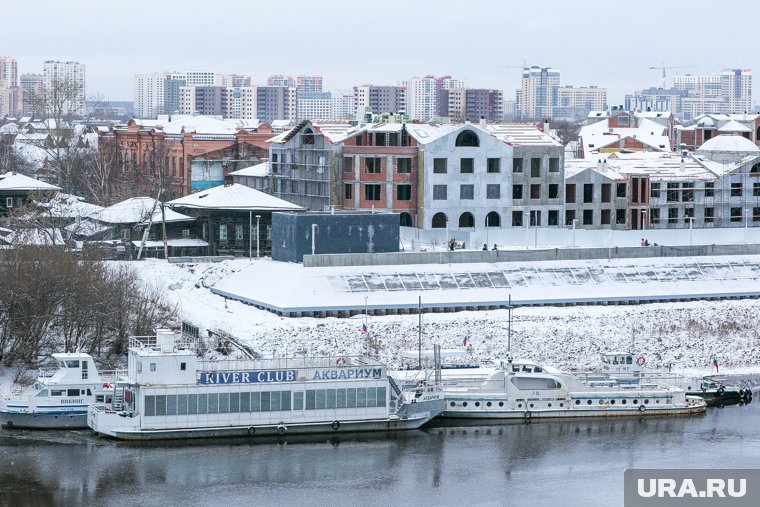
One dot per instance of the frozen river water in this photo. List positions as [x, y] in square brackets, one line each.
[544, 463]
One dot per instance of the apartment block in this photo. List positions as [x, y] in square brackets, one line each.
[55, 72]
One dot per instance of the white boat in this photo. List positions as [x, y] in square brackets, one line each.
[59, 398]
[171, 393]
[623, 368]
[525, 390]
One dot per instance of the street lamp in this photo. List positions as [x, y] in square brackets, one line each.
[643, 220]
[313, 238]
[446, 246]
[691, 230]
[487, 225]
[258, 234]
[746, 225]
[575, 221]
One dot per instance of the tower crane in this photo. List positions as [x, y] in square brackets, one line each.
[666, 68]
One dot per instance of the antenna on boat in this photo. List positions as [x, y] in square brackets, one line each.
[509, 329]
[419, 333]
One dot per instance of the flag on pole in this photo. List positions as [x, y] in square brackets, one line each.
[466, 339]
[364, 327]
[715, 364]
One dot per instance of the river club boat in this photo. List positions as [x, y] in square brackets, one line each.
[525, 390]
[171, 393]
[59, 398]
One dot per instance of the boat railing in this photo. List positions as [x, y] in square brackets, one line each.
[46, 372]
[180, 342]
[289, 363]
[112, 376]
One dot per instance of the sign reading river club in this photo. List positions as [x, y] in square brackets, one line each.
[248, 377]
[266, 376]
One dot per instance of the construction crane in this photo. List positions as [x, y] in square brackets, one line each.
[524, 66]
[666, 68]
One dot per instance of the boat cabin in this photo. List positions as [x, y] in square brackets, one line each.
[617, 358]
[73, 368]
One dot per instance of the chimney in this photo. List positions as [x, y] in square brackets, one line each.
[227, 180]
[483, 122]
[546, 126]
[599, 165]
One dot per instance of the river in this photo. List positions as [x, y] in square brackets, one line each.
[543, 463]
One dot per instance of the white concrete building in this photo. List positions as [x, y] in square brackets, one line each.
[72, 72]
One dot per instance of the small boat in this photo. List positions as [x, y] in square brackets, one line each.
[626, 368]
[526, 390]
[171, 393]
[58, 399]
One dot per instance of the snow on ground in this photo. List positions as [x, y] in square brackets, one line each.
[684, 335]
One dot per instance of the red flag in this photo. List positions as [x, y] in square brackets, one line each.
[715, 364]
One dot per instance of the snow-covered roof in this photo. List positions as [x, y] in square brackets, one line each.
[334, 131]
[170, 215]
[728, 143]
[521, 134]
[233, 197]
[130, 211]
[18, 181]
[261, 169]
[87, 228]
[734, 126]
[178, 242]
[70, 206]
[657, 165]
[600, 134]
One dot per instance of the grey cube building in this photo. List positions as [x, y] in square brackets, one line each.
[335, 233]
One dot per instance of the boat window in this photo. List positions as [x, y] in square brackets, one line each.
[526, 369]
[615, 361]
[213, 403]
[42, 393]
[340, 401]
[202, 403]
[311, 396]
[85, 373]
[152, 366]
[350, 397]
[245, 402]
[361, 397]
[537, 369]
[100, 398]
[181, 404]
[535, 383]
[629, 360]
[72, 392]
[150, 406]
[298, 399]
[161, 405]
[139, 366]
[89, 393]
[274, 401]
[224, 403]
[234, 402]
[74, 363]
[371, 397]
[265, 401]
[515, 368]
[330, 400]
[255, 402]
[61, 364]
[284, 400]
[321, 399]
[381, 397]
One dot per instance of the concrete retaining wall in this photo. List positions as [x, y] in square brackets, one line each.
[549, 254]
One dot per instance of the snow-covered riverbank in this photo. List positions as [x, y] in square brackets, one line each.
[685, 335]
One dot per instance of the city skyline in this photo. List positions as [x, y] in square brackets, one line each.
[590, 44]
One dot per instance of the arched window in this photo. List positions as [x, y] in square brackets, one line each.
[467, 138]
[308, 136]
[755, 169]
[466, 220]
[493, 219]
[406, 220]
[439, 221]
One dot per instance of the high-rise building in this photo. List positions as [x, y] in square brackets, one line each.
[538, 94]
[656, 99]
[426, 97]
[72, 74]
[343, 107]
[736, 88]
[309, 84]
[274, 103]
[149, 95]
[474, 104]
[8, 71]
[577, 102]
[204, 100]
[236, 80]
[378, 100]
[282, 81]
[314, 105]
[11, 97]
[30, 85]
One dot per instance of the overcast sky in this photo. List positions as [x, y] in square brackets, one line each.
[609, 43]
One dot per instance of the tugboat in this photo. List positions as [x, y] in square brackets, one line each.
[59, 399]
[625, 368]
[171, 393]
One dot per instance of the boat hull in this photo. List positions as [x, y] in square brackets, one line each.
[42, 421]
[571, 413]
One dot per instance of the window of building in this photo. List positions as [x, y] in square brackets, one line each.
[467, 165]
[466, 220]
[371, 192]
[439, 193]
[403, 192]
[654, 216]
[756, 189]
[517, 218]
[570, 193]
[569, 216]
[756, 214]
[606, 216]
[553, 217]
[348, 191]
[535, 218]
[687, 194]
[404, 165]
[672, 194]
[517, 191]
[588, 192]
[736, 190]
[588, 217]
[238, 232]
[736, 214]
[185, 233]
[535, 191]
[466, 191]
[606, 192]
[358, 140]
[372, 165]
[553, 191]
[308, 136]
[223, 232]
[620, 216]
[621, 190]
[493, 191]
[554, 165]
[379, 138]
[709, 215]
[467, 138]
[348, 164]
[439, 165]
[517, 165]
[494, 165]
[535, 167]
[406, 220]
[672, 215]
[654, 190]
[710, 189]
[688, 215]
[493, 219]
[393, 139]
[440, 220]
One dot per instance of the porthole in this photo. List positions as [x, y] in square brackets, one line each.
[657, 401]
[464, 404]
[646, 402]
[548, 405]
[488, 404]
[519, 405]
[453, 404]
[635, 402]
[612, 402]
[601, 402]
[577, 402]
[561, 405]
[477, 403]
[531, 405]
[589, 402]
[501, 403]
[623, 402]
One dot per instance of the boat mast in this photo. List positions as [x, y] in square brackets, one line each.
[509, 329]
[419, 333]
